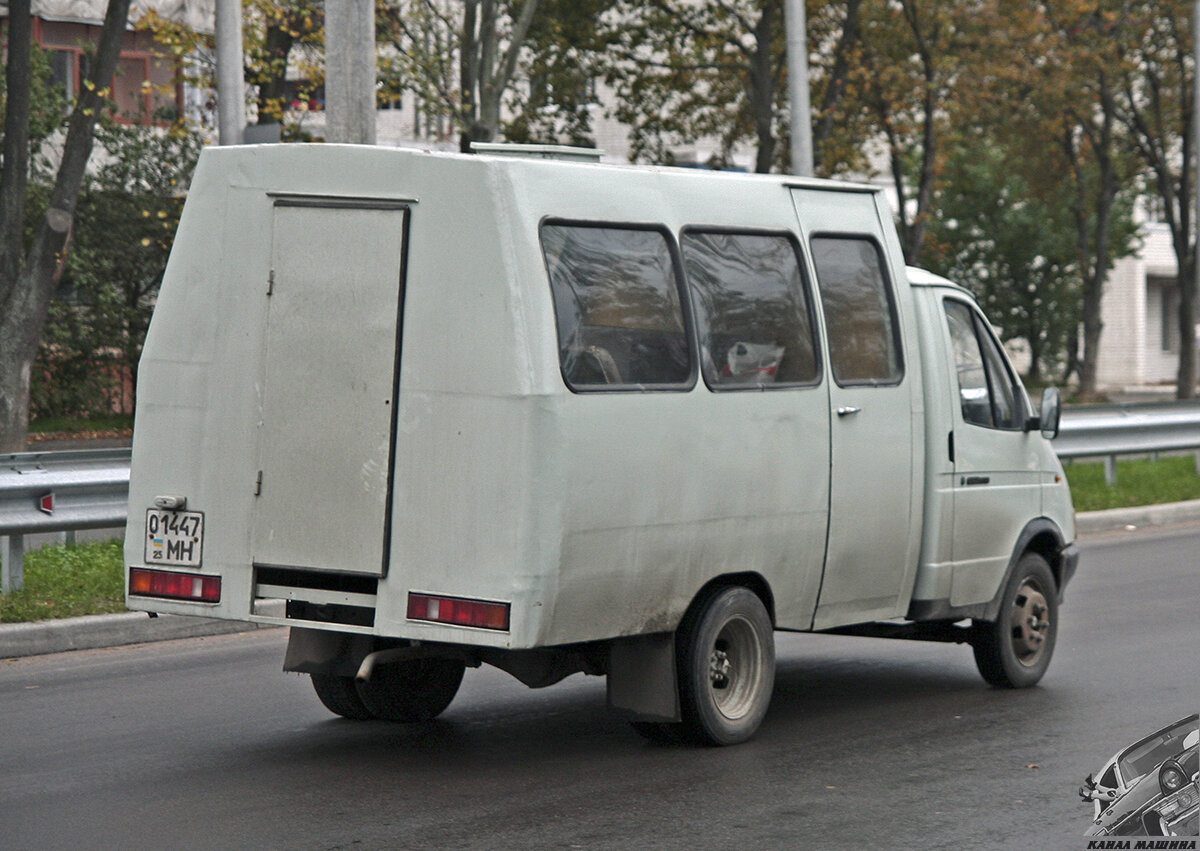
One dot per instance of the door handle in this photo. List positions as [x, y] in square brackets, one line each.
[976, 480]
[847, 410]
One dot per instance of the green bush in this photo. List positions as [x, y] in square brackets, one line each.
[125, 224]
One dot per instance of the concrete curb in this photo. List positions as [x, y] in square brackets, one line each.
[93, 631]
[1167, 514]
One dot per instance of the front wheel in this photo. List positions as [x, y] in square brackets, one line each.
[726, 659]
[1014, 650]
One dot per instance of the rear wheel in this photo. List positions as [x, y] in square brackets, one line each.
[413, 690]
[726, 660]
[340, 696]
[1014, 650]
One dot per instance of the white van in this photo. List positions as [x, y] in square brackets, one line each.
[434, 410]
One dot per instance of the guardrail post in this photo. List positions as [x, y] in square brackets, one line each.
[1110, 470]
[12, 570]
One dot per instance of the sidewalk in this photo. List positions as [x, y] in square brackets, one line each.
[93, 631]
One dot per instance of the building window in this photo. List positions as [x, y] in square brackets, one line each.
[67, 70]
[752, 309]
[1168, 308]
[618, 306]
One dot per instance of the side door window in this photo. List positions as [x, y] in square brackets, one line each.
[864, 338]
[987, 390]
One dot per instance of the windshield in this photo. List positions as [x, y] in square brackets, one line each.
[1147, 754]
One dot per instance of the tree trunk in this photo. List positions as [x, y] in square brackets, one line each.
[762, 90]
[836, 87]
[914, 242]
[1094, 247]
[25, 296]
[14, 177]
[1092, 328]
[272, 83]
[485, 73]
[1185, 387]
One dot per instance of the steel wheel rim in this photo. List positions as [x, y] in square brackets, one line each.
[1030, 623]
[735, 668]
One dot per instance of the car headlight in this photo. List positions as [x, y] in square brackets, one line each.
[1171, 777]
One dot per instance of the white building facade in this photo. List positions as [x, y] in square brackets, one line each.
[1140, 342]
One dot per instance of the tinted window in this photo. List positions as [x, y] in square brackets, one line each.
[864, 345]
[987, 391]
[617, 301]
[752, 309]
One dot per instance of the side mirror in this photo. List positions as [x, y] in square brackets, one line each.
[1051, 413]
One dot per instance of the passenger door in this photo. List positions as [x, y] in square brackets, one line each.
[870, 550]
[997, 475]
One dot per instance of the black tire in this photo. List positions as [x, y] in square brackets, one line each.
[725, 650]
[1014, 650]
[340, 696]
[415, 690]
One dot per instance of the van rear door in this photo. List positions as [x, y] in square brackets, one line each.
[329, 385]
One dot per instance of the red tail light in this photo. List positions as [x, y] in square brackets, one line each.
[458, 611]
[174, 586]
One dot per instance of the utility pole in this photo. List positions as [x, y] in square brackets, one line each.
[798, 94]
[350, 71]
[231, 81]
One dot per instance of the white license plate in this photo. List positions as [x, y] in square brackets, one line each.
[174, 537]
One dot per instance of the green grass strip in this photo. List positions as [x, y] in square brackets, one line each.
[63, 582]
[1141, 481]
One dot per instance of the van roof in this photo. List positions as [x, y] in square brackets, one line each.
[919, 277]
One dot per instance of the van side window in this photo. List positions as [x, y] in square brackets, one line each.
[752, 309]
[860, 316]
[986, 388]
[618, 305]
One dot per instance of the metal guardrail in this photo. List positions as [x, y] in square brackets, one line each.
[1106, 431]
[57, 492]
[89, 489]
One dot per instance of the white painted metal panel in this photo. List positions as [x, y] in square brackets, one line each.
[871, 514]
[996, 486]
[324, 442]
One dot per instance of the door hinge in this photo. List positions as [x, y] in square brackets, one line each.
[271, 282]
[258, 484]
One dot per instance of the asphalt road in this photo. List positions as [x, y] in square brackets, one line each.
[204, 743]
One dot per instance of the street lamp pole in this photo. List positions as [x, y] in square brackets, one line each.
[231, 83]
[798, 94]
[350, 71]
